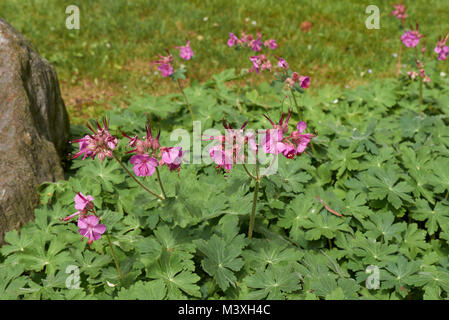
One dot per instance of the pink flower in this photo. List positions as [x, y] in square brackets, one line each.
[165, 69]
[304, 82]
[143, 146]
[266, 65]
[411, 38]
[84, 147]
[229, 151]
[444, 52]
[399, 11]
[164, 60]
[260, 63]
[290, 82]
[441, 49]
[289, 150]
[223, 158]
[185, 52]
[282, 124]
[144, 165]
[172, 157]
[271, 44]
[256, 45]
[90, 228]
[83, 204]
[251, 140]
[272, 142]
[276, 141]
[246, 38]
[282, 63]
[299, 139]
[233, 40]
[101, 143]
[164, 65]
[256, 63]
[412, 74]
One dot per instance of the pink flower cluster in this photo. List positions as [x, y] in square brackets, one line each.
[165, 63]
[442, 49]
[303, 81]
[411, 37]
[100, 143]
[148, 149]
[89, 226]
[249, 41]
[230, 149]
[421, 73]
[260, 63]
[399, 12]
[278, 141]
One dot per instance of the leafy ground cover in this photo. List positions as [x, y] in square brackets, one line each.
[372, 193]
[107, 61]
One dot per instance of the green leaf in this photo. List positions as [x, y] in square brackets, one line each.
[222, 259]
[171, 269]
[336, 294]
[326, 225]
[345, 159]
[151, 290]
[438, 216]
[400, 275]
[381, 225]
[16, 243]
[383, 184]
[273, 283]
[103, 173]
[441, 178]
[414, 242]
[266, 253]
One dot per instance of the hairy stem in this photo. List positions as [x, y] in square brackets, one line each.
[185, 98]
[253, 210]
[114, 257]
[160, 183]
[135, 179]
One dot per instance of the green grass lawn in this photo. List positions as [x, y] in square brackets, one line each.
[108, 60]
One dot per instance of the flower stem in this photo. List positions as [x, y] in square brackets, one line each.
[185, 98]
[114, 257]
[160, 183]
[420, 95]
[249, 173]
[253, 211]
[296, 103]
[398, 66]
[135, 179]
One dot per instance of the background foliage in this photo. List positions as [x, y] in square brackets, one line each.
[107, 61]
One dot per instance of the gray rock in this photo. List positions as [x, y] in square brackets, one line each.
[34, 128]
